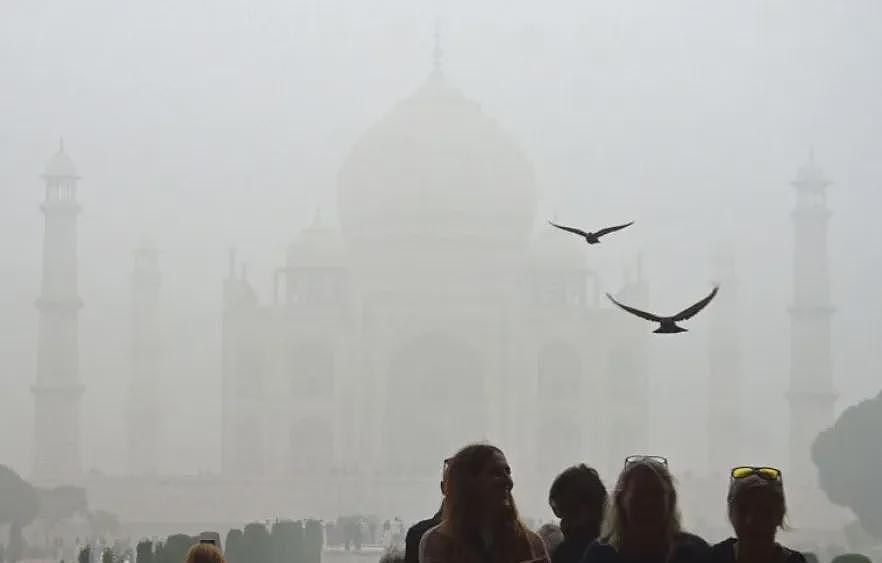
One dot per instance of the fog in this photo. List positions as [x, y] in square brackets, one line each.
[205, 126]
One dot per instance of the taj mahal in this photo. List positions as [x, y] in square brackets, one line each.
[429, 317]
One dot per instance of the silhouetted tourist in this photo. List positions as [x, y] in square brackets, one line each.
[756, 511]
[204, 553]
[480, 522]
[416, 532]
[642, 523]
[552, 537]
[578, 497]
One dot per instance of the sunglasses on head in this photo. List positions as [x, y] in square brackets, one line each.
[646, 458]
[768, 473]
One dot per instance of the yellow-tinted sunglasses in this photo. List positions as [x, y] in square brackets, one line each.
[768, 473]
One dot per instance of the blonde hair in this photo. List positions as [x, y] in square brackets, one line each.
[204, 553]
[615, 524]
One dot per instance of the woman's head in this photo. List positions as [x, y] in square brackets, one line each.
[578, 498]
[477, 499]
[643, 505]
[478, 483]
[204, 553]
[756, 507]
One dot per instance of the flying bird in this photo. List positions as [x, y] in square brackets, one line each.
[591, 238]
[668, 325]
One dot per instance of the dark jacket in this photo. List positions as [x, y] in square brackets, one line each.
[571, 550]
[415, 534]
[724, 552]
[688, 548]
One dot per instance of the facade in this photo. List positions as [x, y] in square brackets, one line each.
[433, 317]
[811, 395]
[57, 388]
[725, 413]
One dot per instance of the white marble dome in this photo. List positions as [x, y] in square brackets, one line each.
[437, 167]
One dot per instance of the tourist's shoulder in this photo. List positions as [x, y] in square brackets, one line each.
[722, 551]
[422, 526]
[599, 551]
[433, 533]
[794, 556]
[692, 540]
[725, 545]
[433, 546]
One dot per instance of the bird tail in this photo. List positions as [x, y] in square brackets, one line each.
[670, 329]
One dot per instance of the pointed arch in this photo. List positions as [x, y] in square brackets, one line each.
[559, 390]
[436, 403]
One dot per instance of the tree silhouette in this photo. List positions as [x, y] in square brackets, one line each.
[18, 508]
[60, 503]
[287, 542]
[256, 544]
[313, 533]
[144, 551]
[234, 544]
[176, 547]
[849, 460]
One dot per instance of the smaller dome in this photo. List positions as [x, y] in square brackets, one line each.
[316, 246]
[554, 249]
[60, 164]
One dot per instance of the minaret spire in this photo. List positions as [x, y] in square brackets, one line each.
[57, 388]
[811, 395]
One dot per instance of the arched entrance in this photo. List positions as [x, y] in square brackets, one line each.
[561, 412]
[436, 403]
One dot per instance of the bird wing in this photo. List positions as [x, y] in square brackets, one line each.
[569, 229]
[693, 310]
[633, 311]
[609, 230]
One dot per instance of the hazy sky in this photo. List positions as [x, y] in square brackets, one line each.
[206, 124]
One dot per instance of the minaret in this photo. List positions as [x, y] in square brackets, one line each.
[724, 363]
[811, 395]
[143, 404]
[57, 389]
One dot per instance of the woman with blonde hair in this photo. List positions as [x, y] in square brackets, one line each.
[480, 523]
[756, 510]
[642, 523]
[204, 553]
